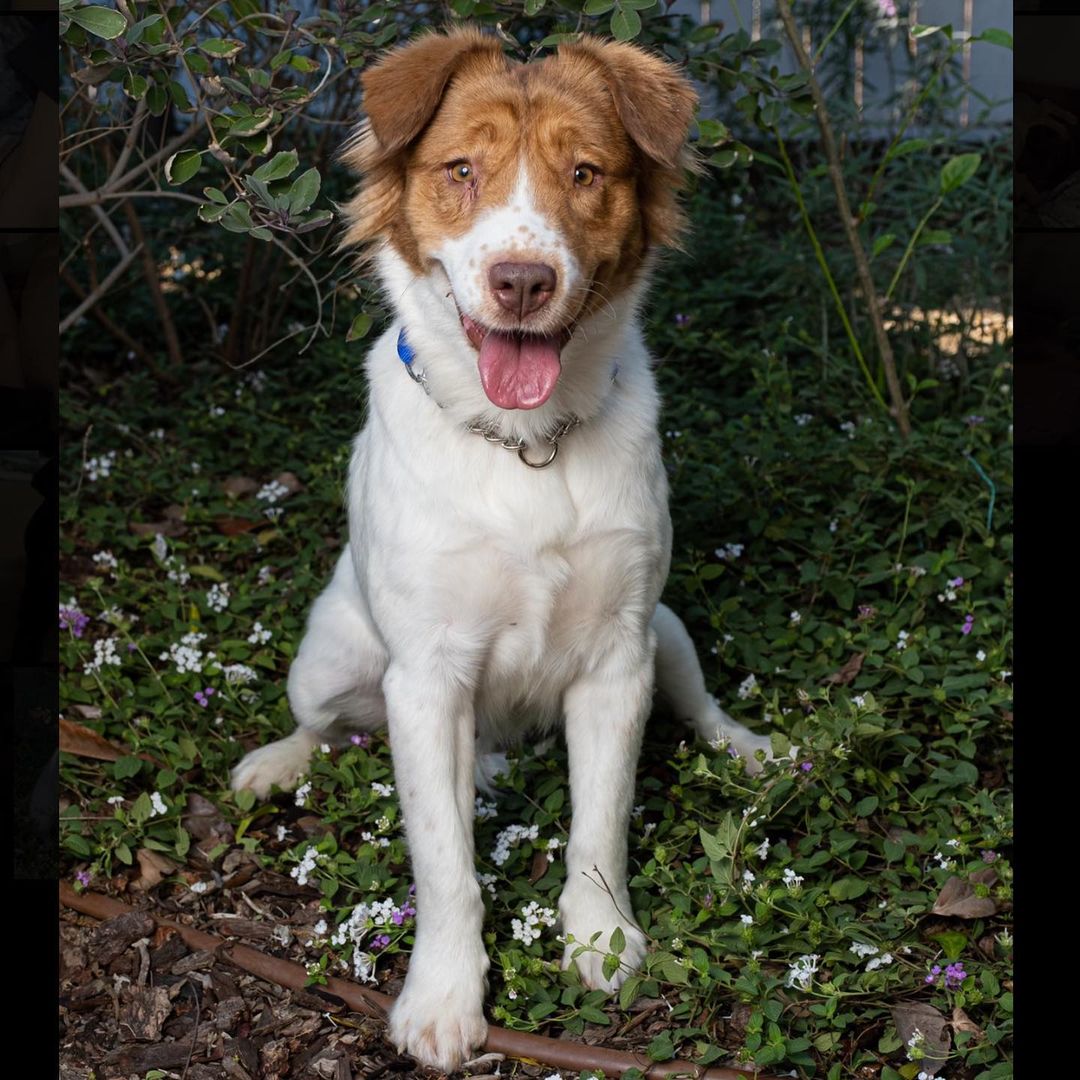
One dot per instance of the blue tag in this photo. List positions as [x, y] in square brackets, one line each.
[404, 349]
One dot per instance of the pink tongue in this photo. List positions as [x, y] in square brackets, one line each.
[518, 373]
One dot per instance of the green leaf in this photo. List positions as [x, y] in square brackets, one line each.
[952, 943]
[597, 7]
[594, 1015]
[78, 844]
[126, 766]
[261, 233]
[935, 236]
[629, 990]
[918, 31]
[723, 159]
[212, 573]
[641, 5]
[865, 807]
[882, 243]
[958, 170]
[360, 327]
[123, 853]
[625, 24]
[182, 166]
[244, 799]
[304, 191]
[848, 888]
[220, 48]
[216, 195]
[278, 167]
[156, 100]
[314, 221]
[661, 1048]
[618, 940]
[135, 86]
[99, 21]
[711, 132]
[908, 146]
[996, 37]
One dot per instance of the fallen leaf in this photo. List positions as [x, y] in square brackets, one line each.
[540, 864]
[88, 712]
[153, 866]
[80, 740]
[146, 1012]
[957, 898]
[962, 1022]
[289, 481]
[171, 525]
[919, 1017]
[204, 820]
[238, 486]
[234, 526]
[848, 672]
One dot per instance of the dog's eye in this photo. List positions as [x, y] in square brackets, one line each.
[461, 172]
[584, 175]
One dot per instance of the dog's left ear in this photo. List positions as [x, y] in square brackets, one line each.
[654, 100]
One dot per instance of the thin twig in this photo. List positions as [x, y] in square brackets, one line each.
[847, 220]
[96, 294]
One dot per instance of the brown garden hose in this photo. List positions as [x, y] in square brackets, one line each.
[560, 1053]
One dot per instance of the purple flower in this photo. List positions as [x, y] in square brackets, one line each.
[887, 9]
[83, 878]
[360, 740]
[203, 696]
[954, 975]
[806, 766]
[682, 321]
[406, 911]
[71, 618]
[412, 889]
[131, 646]
[380, 942]
[969, 622]
[935, 971]
[956, 582]
[867, 611]
[989, 856]
[708, 901]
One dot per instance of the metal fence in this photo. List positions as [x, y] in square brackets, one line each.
[887, 69]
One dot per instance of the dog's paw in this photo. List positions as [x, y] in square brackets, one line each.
[439, 1023]
[282, 763]
[581, 920]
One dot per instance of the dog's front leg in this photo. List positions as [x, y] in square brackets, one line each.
[605, 716]
[439, 1016]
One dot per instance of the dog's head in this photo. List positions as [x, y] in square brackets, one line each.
[531, 194]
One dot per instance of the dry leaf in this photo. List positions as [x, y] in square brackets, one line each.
[153, 866]
[203, 820]
[962, 1022]
[289, 481]
[934, 1028]
[848, 672]
[240, 485]
[234, 526]
[957, 898]
[540, 864]
[87, 712]
[76, 739]
[146, 1012]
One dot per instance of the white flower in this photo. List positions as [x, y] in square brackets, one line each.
[849, 427]
[307, 863]
[271, 492]
[239, 673]
[749, 877]
[484, 810]
[281, 831]
[100, 467]
[106, 560]
[382, 790]
[834, 525]
[762, 850]
[199, 886]
[258, 635]
[980, 655]
[792, 880]
[747, 686]
[487, 881]
[553, 846]
[158, 803]
[801, 973]
[795, 618]
[861, 949]
[104, 654]
[802, 419]
[511, 836]
[216, 410]
[265, 574]
[729, 551]
[533, 916]
[187, 655]
[302, 792]
[115, 800]
[217, 598]
[746, 920]
[879, 961]
[860, 700]
[902, 640]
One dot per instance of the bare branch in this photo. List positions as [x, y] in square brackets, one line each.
[93, 297]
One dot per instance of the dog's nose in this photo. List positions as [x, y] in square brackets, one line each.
[521, 288]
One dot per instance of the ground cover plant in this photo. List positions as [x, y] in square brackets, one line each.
[848, 915]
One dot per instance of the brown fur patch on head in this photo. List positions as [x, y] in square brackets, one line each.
[655, 103]
[401, 94]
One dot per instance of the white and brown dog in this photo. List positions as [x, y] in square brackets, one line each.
[509, 534]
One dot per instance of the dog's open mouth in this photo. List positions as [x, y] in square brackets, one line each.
[518, 370]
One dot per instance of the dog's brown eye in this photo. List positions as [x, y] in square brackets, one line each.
[461, 172]
[584, 175]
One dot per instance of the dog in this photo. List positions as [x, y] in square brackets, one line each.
[509, 534]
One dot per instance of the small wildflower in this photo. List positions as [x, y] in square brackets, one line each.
[382, 790]
[802, 419]
[158, 803]
[954, 976]
[362, 740]
[104, 654]
[682, 321]
[902, 640]
[748, 877]
[199, 886]
[762, 850]
[729, 551]
[801, 973]
[203, 696]
[746, 920]
[533, 917]
[302, 792]
[956, 582]
[848, 427]
[879, 961]
[806, 766]
[747, 686]
[969, 623]
[795, 618]
[792, 880]
[100, 467]
[106, 560]
[380, 941]
[83, 878]
[989, 856]
[980, 655]
[71, 618]
[271, 492]
[866, 611]
[239, 673]
[974, 420]
[834, 525]
[217, 597]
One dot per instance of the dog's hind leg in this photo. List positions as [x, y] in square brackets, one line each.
[679, 677]
[334, 686]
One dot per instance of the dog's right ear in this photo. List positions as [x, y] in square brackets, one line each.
[402, 91]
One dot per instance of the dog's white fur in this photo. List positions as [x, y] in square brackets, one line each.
[477, 597]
